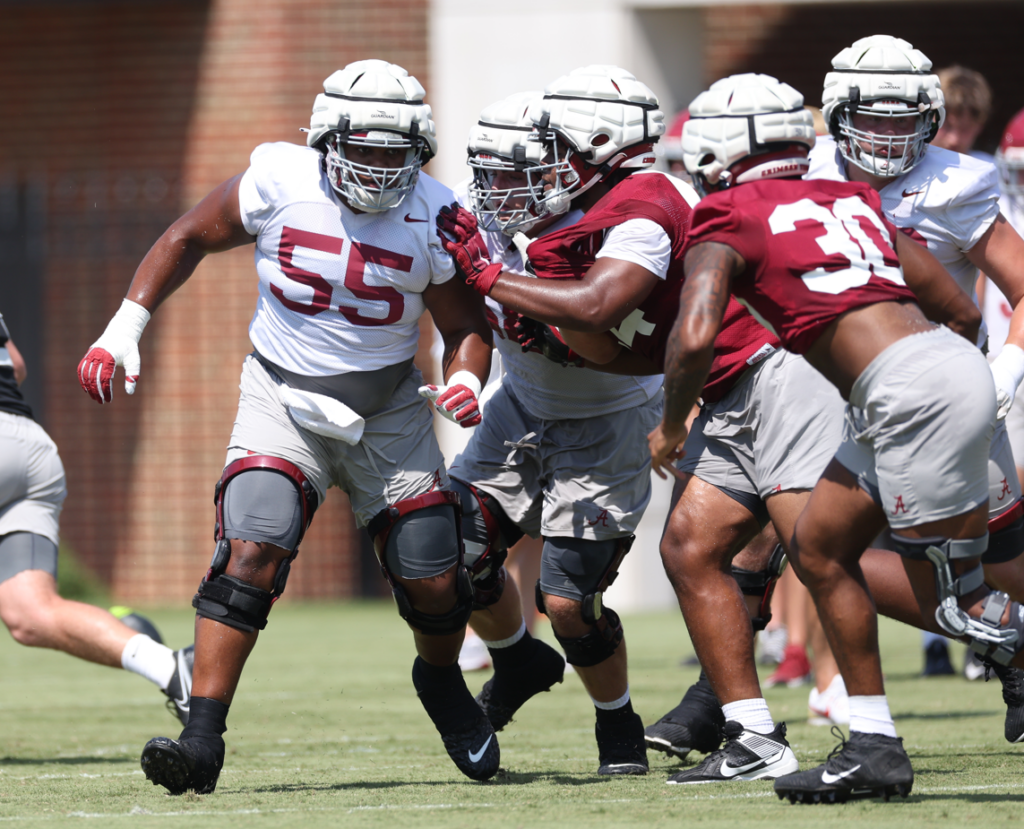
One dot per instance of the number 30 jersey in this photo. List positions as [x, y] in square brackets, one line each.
[813, 250]
[339, 291]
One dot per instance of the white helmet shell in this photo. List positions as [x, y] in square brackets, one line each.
[742, 116]
[884, 76]
[605, 119]
[499, 148]
[378, 104]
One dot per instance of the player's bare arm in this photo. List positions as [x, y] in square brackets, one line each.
[212, 226]
[710, 268]
[1000, 255]
[459, 315]
[607, 294]
[20, 369]
[937, 293]
[602, 352]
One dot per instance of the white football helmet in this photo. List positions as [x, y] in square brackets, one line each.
[372, 103]
[887, 77]
[742, 116]
[499, 149]
[592, 122]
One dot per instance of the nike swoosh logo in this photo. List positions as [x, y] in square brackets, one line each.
[732, 771]
[906, 194]
[409, 219]
[829, 779]
[475, 758]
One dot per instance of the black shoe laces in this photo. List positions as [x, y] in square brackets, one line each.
[837, 732]
[1013, 685]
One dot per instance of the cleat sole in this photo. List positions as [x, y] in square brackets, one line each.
[164, 766]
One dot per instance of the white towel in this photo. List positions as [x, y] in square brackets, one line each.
[323, 415]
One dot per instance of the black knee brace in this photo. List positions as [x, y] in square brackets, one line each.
[761, 583]
[229, 600]
[598, 645]
[487, 533]
[380, 527]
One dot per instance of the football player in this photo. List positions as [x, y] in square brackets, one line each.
[32, 492]
[347, 259]
[816, 261]
[560, 453]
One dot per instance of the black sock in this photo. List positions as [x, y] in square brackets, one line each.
[444, 694]
[206, 716]
[514, 656]
[614, 716]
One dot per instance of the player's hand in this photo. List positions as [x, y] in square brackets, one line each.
[1007, 371]
[666, 449]
[457, 401]
[461, 239]
[117, 346]
[533, 335]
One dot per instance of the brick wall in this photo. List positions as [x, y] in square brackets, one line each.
[120, 116]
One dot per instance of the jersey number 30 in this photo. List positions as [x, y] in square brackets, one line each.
[844, 236]
[358, 256]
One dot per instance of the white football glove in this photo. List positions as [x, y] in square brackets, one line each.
[1007, 372]
[117, 346]
[456, 401]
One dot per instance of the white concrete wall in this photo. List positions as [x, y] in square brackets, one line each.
[482, 51]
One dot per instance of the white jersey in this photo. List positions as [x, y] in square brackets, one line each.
[995, 308]
[545, 389]
[339, 291]
[948, 200]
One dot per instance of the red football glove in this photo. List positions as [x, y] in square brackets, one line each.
[461, 239]
[457, 401]
[536, 336]
[118, 346]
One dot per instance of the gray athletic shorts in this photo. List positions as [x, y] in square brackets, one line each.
[32, 484]
[1015, 424]
[585, 478]
[1003, 483]
[397, 458]
[775, 431]
[919, 428]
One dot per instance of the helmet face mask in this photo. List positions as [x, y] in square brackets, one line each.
[500, 195]
[886, 153]
[372, 188]
[367, 111]
[554, 183]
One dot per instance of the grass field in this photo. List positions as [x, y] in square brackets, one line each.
[327, 731]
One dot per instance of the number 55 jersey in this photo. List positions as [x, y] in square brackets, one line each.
[814, 250]
[339, 291]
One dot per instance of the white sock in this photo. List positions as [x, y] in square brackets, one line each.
[507, 643]
[143, 656]
[752, 714]
[870, 715]
[611, 706]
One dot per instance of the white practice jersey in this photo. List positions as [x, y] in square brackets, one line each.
[995, 308]
[948, 200]
[339, 291]
[545, 389]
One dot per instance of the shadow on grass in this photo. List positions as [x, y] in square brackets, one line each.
[943, 715]
[62, 761]
[502, 778]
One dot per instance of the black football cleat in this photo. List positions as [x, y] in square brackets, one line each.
[508, 690]
[179, 689]
[137, 622]
[866, 765]
[1013, 695]
[467, 734]
[621, 748]
[191, 763]
[694, 725]
[746, 755]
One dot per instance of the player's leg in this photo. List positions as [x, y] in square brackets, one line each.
[32, 493]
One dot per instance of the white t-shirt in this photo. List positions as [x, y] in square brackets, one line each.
[544, 388]
[996, 309]
[339, 291]
[948, 199]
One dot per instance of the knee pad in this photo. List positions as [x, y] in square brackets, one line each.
[1005, 536]
[603, 576]
[598, 645]
[487, 533]
[230, 600]
[762, 583]
[379, 530]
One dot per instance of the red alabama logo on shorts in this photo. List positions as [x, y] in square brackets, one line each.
[899, 505]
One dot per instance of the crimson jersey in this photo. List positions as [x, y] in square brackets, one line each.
[570, 253]
[814, 250]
